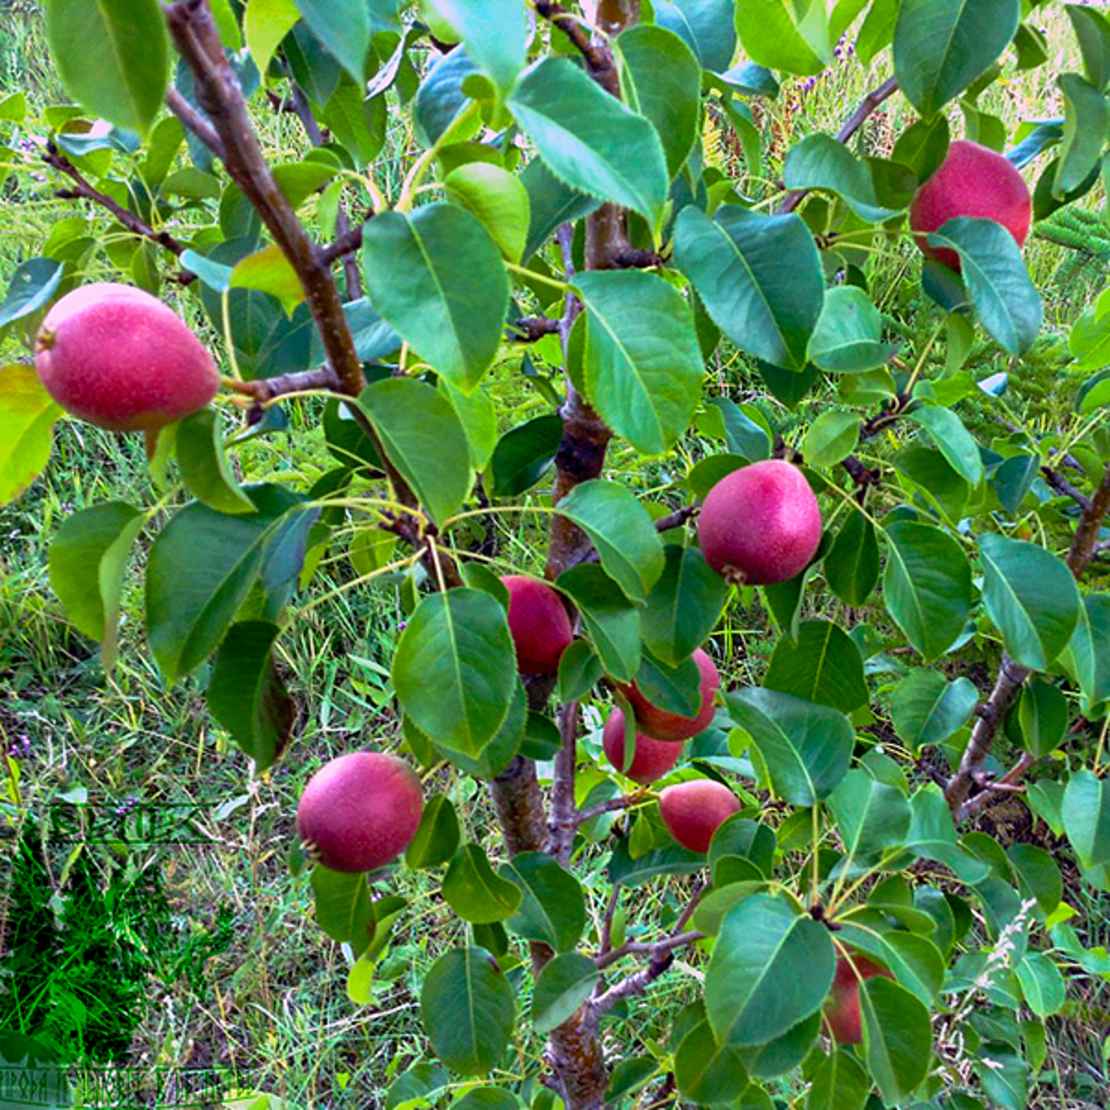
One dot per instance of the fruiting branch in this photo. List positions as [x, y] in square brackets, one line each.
[1011, 675]
[850, 126]
[220, 95]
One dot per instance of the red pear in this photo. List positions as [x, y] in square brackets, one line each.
[539, 624]
[972, 181]
[842, 1007]
[652, 758]
[119, 358]
[760, 524]
[359, 811]
[661, 724]
[693, 811]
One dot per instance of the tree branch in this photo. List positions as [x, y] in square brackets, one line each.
[564, 814]
[851, 125]
[1064, 488]
[349, 242]
[84, 190]
[597, 56]
[968, 777]
[193, 121]
[221, 97]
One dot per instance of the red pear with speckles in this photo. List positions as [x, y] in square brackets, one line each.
[972, 181]
[661, 724]
[119, 358]
[538, 623]
[652, 758]
[842, 1007]
[760, 524]
[694, 811]
[360, 811]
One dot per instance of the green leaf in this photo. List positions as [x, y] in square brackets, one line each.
[496, 199]
[661, 79]
[27, 416]
[478, 416]
[467, 1008]
[561, 988]
[265, 24]
[852, 564]
[831, 438]
[822, 664]
[927, 709]
[475, 891]
[771, 968]
[552, 908]
[33, 284]
[343, 907]
[924, 471]
[708, 1072]
[955, 442]
[1041, 983]
[927, 586]
[423, 438]
[643, 367]
[356, 121]
[870, 815]
[1092, 30]
[1043, 716]
[1037, 874]
[848, 335]
[742, 434]
[612, 621]
[1085, 121]
[1006, 301]
[524, 454]
[550, 203]
[437, 837]
[671, 860]
[820, 162]
[204, 465]
[590, 140]
[622, 531]
[759, 277]
[773, 36]
[438, 278]
[200, 570]
[840, 1083]
[458, 644]
[1088, 653]
[248, 697]
[941, 46]
[113, 59]
[88, 555]
[683, 606]
[271, 272]
[579, 667]
[343, 27]
[897, 1037]
[1031, 596]
[495, 33]
[441, 99]
[806, 747]
[706, 26]
[1086, 813]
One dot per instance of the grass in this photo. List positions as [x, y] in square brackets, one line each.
[278, 1000]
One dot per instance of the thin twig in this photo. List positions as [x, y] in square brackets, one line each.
[193, 121]
[530, 329]
[597, 57]
[1063, 487]
[611, 806]
[851, 125]
[349, 242]
[82, 189]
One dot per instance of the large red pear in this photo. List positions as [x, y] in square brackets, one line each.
[538, 623]
[693, 811]
[652, 758]
[661, 724]
[842, 1007]
[119, 358]
[359, 811]
[760, 524]
[973, 180]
